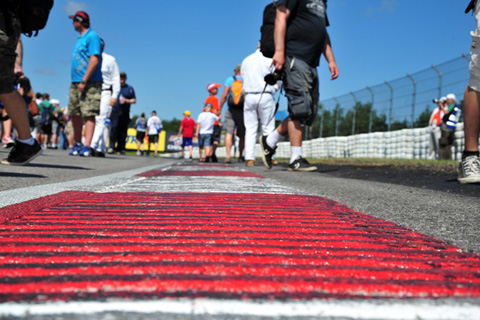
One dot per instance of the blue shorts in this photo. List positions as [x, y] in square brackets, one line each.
[187, 142]
[205, 140]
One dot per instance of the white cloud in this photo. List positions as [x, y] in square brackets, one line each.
[47, 71]
[387, 6]
[72, 6]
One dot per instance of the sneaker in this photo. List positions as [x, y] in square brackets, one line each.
[22, 153]
[76, 149]
[85, 152]
[138, 153]
[274, 162]
[98, 154]
[469, 170]
[267, 152]
[110, 151]
[228, 160]
[241, 159]
[214, 158]
[8, 142]
[301, 164]
[250, 163]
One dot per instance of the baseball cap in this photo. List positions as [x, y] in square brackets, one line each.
[187, 113]
[81, 16]
[451, 96]
[238, 67]
[213, 85]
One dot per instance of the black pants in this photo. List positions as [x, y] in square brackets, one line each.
[118, 132]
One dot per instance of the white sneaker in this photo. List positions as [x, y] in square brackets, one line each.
[138, 153]
[469, 170]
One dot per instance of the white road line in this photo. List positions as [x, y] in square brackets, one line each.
[343, 309]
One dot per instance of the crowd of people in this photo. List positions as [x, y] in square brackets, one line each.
[100, 97]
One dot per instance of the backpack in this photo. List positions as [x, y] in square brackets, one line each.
[267, 42]
[236, 98]
[33, 15]
[47, 116]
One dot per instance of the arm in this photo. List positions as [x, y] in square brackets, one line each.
[328, 52]
[223, 99]
[116, 83]
[197, 130]
[279, 36]
[180, 131]
[92, 66]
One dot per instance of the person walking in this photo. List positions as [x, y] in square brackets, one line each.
[234, 114]
[120, 116]
[259, 101]
[187, 127]
[297, 54]
[154, 127]
[212, 99]
[448, 127]
[469, 166]
[204, 132]
[86, 87]
[141, 127]
[434, 128]
[25, 148]
[110, 92]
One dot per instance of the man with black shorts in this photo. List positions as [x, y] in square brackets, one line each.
[297, 54]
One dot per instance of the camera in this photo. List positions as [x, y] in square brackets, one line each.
[274, 77]
[436, 100]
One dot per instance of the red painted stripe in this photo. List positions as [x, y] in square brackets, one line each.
[202, 173]
[134, 245]
[17, 211]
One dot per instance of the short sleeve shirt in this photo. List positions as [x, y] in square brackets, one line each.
[215, 104]
[87, 45]
[188, 125]
[230, 80]
[306, 29]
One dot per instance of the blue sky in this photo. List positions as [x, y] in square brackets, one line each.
[171, 50]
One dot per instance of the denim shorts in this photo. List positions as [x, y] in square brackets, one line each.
[205, 140]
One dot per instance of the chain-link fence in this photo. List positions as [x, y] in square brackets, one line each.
[396, 104]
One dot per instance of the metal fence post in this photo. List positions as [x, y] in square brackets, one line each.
[321, 123]
[354, 112]
[440, 79]
[371, 110]
[337, 107]
[414, 98]
[391, 106]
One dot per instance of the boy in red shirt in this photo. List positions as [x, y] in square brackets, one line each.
[186, 126]
[212, 88]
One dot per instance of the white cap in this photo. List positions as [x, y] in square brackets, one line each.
[54, 101]
[452, 97]
[443, 99]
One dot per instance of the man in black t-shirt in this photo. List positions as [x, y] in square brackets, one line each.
[300, 39]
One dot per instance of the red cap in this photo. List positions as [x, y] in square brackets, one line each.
[81, 16]
[213, 85]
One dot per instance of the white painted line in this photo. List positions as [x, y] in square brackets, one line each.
[344, 309]
[94, 184]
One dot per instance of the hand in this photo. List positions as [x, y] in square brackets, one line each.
[81, 87]
[122, 100]
[333, 70]
[278, 60]
[113, 102]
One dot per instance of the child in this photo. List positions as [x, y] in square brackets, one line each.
[204, 132]
[186, 127]
[212, 88]
[154, 127]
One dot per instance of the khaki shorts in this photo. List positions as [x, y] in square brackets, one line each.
[8, 44]
[87, 103]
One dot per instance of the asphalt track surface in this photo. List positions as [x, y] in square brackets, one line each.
[137, 238]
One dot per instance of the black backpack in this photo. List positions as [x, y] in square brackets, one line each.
[33, 15]
[47, 116]
[267, 42]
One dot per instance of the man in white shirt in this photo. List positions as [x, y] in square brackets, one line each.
[110, 90]
[154, 127]
[259, 101]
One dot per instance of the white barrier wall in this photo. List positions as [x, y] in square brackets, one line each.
[401, 144]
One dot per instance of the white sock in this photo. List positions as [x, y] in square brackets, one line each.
[296, 152]
[274, 138]
[30, 141]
